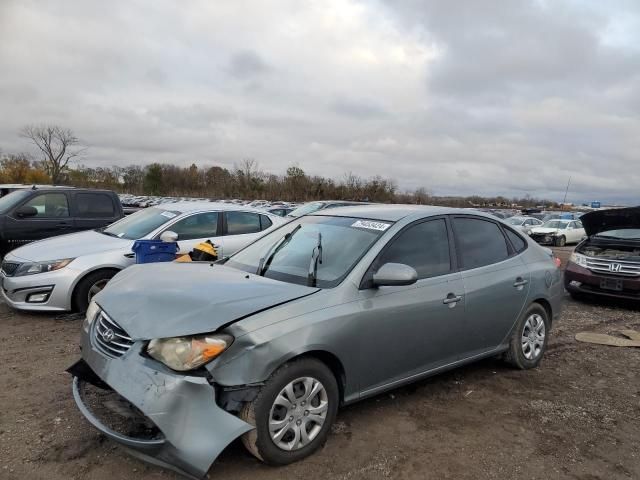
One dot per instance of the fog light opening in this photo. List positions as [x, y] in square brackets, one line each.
[38, 297]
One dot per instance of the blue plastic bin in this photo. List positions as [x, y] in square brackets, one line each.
[151, 251]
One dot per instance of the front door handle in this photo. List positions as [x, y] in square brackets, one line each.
[520, 282]
[452, 300]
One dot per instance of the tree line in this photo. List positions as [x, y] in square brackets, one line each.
[57, 146]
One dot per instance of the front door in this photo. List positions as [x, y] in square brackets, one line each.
[407, 330]
[52, 218]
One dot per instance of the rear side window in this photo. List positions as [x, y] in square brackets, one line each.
[424, 246]
[265, 222]
[50, 205]
[519, 244]
[480, 242]
[95, 205]
[239, 223]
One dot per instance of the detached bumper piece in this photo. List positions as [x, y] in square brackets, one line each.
[160, 416]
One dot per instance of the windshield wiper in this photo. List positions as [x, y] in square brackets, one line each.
[316, 257]
[265, 262]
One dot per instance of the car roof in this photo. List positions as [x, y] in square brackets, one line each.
[393, 213]
[185, 207]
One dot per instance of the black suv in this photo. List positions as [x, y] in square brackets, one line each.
[35, 213]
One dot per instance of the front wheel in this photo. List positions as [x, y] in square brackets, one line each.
[529, 339]
[293, 412]
[561, 241]
[89, 286]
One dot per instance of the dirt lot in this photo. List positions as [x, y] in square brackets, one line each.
[575, 417]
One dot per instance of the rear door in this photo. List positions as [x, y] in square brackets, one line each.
[242, 228]
[407, 330]
[496, 282]
[93, 210]
[53, 218]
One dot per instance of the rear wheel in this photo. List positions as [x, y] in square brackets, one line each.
[561, 241]
[293, 412]
[89, 286]
[529, 339]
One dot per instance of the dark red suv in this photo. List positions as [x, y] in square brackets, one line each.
[607, 263]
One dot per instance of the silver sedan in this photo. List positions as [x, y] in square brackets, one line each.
[329, 309]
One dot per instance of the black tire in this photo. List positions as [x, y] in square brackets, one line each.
[258, 411]
[516, 355]
[83, 291]
[561, 241]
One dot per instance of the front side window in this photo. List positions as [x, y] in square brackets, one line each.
[200, 225]
[49, 205]
[480, 242]
[93, 205]
[239, 223]
[424, 246]
[287, 253]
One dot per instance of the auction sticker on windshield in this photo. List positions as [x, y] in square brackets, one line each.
[368, 224]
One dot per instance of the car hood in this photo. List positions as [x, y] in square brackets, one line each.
[174, 299]
[72, 245]
[611, 219]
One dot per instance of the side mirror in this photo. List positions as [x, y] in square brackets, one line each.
[26, 211]
[395, 274]
[169, 237]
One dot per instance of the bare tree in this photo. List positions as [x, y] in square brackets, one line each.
[58, 145]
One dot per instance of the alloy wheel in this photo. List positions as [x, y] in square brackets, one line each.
[533, 336]
[298, 413]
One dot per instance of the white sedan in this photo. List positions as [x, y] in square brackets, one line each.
[523, 223]
[65, 272]
[559, 232]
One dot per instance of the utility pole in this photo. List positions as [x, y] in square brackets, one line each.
[566, 192]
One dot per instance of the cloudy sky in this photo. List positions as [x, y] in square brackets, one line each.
[504, 97]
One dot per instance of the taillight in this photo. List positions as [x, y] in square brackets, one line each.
[557, 261]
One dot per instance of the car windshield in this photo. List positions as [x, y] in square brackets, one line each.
[286, 254]
[623, 234]
[140, 224]
[306, 209]
[12, 199]
[515, 220]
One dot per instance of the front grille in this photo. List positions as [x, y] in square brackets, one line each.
[109, 337]
[9, 268]
[613, 267]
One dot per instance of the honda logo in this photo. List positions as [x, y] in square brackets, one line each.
[108, 335]
[614, 267]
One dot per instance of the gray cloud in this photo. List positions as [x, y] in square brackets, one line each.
[498, 97]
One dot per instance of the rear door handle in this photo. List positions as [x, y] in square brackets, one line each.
[452, 299]
[520, 282]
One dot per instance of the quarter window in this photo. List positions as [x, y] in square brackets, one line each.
[200, 225]
[480, 242]
[95, 205]
[516, 240]
[239, 223]
[424, 246]
[265, 222]
[50, 205]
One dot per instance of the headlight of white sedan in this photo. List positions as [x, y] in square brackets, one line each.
[33, 268]
[188, 353]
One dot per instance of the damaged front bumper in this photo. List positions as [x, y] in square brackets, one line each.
[192, 430]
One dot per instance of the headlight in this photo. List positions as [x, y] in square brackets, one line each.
[578, 259]
[187, 353]
[92, 313]
[41, 267]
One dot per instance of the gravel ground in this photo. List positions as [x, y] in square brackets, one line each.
[577, 416]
